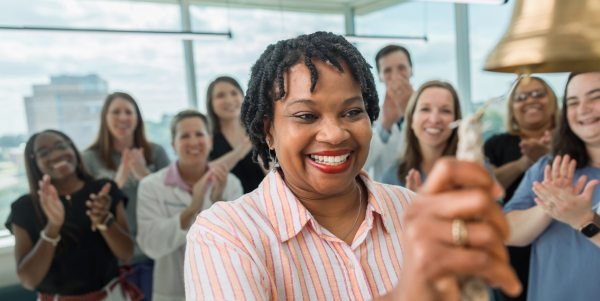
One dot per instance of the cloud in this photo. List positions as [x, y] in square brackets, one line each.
[153, 71]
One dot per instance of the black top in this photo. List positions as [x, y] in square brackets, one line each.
[501, 149]
[249, 172]
[82, 262]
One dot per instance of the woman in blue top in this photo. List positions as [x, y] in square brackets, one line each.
[428, 137]
[554, 208]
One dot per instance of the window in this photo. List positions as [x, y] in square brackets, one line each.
[61, 80]
[253, 30]
[434, 59]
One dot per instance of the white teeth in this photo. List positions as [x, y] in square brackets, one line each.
[330, 160]
[433, 131]
[533, 108]
[589, 121]
[59, 164]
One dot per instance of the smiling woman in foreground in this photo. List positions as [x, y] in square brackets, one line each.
[318, 227]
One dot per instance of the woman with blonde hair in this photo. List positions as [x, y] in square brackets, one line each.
[532, 114]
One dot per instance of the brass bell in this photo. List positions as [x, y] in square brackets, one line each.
[549, 36]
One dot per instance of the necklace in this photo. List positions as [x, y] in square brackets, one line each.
[357, 214]
[68, 198]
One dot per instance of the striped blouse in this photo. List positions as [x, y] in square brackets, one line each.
[267, 246]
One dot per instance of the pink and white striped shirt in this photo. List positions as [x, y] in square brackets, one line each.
[267, 246]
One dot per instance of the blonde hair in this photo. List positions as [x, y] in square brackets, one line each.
[512, 127]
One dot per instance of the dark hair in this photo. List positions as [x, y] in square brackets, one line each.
[389, 49]
[565, 141]
[512, 127]
[214, 119]
[34, 175]
[266, 80]
[412, 157]
[191, 113]
[104, 143]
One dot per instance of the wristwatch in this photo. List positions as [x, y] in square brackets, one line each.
[590, 229]
[108, 221]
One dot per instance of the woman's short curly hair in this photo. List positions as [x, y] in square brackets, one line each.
[266, 80]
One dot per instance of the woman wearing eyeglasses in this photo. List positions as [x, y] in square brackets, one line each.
[532, 114]
[70, 230]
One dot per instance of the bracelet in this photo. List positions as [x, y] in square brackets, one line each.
[108, 221]
[52, 241]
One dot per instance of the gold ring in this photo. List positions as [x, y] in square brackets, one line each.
[460, 236]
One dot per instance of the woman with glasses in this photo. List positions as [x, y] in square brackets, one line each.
[532, 114]
[70, 230]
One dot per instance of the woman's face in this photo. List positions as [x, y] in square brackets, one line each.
[226, 101]
[583, 107]
[192, 143]
[54, 156]
[121, 119]
[321, 138]
[531, 105]
[433, 114]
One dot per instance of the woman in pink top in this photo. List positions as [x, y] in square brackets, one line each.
[317, 228]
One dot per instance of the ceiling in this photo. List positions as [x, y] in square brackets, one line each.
[360, 7]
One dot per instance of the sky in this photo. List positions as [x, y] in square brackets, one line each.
[152, 69]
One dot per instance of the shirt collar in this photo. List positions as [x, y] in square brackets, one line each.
[377, 201]
[288, 216]
[173, 178]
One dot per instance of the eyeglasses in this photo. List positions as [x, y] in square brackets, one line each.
[537, 94]
[44, 152]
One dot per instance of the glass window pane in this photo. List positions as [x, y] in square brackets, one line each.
[434, 59]
[61, 80]
[253, 30]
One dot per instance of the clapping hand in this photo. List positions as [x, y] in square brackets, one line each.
[137, 164]
[563, 199]
[413, 180]
[535, 148]
[219, 173]
[398, 93]
[50, 202]
[124, 168]
[98, 206]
